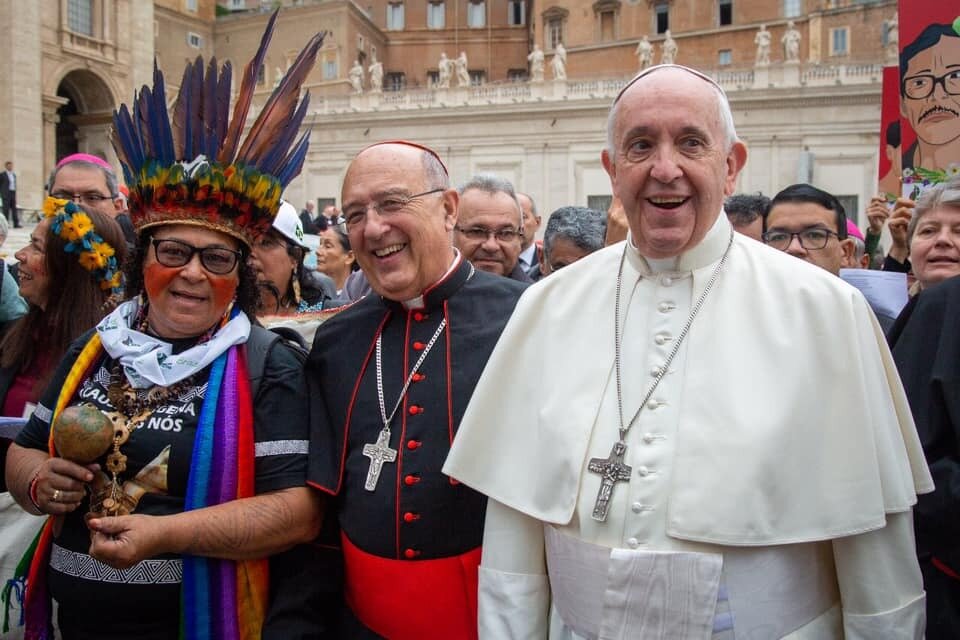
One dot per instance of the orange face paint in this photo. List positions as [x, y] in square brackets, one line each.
[156, 279]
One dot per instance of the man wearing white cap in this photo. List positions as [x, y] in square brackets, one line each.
[639, 489]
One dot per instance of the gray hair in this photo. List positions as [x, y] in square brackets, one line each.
[582, 226]
[533, 203]
[489, 183]
[434, 171]
[943, 194]
[108, 174]
[723, 105]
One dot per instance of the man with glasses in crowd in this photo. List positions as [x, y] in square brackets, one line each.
[489, 229]
[91, 182]
[811, 224]
[389, 379]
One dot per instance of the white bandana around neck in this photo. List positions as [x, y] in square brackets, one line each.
[148, 361]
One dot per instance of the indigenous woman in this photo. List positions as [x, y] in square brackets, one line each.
[159, 529]
[278, 255]
[334, 256]
[69, 278]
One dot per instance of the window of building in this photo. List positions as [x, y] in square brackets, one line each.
[726, 12]
[476, 14]
[436, 15]
[433, 78]
[261, 75]
[839, 41]
[194, 40]
[554, 32]
[517, 75]
[80, 16]
[330, 70]
[361, 43]
[395, 16]
[477, 78]
[238, 4]
[661, 14]
[792, 8]
[192, 5]
[724, 57]
[516, 12]
[394, 81]
[607, 25]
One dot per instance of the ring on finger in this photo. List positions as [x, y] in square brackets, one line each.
[56, 495]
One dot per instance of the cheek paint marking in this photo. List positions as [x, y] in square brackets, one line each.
[156, 279]
[224, 289]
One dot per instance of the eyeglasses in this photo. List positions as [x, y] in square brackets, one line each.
[480, 234]
[391, 205]
[920, 86]
[174, 253]
[90, 197]
[810, 239]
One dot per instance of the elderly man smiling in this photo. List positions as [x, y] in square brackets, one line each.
[638, 489]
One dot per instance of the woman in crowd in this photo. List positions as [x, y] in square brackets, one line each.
[69, 276]
[286, 287]
[926, 349]
[160, 530]
[934, 235]
[334, 256]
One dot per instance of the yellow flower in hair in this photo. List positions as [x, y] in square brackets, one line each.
[102, 248]
[76, 227]
[52, 206]
[112, 283]
[92, 260]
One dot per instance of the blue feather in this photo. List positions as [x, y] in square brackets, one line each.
[273, 160]
[294, 161]
[164, 139]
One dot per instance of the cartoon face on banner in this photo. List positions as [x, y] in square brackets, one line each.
[929, 93]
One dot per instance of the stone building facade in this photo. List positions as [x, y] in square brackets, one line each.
[72, 61]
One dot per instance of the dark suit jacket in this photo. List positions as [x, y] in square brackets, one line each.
[5, 184]
[309, 226]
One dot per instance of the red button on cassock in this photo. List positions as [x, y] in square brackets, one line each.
[418, 346]
[409, 516]
[410, 480]
[415, 409]
[413, 444]
[410, 553]
[419, 317]
[417, 377]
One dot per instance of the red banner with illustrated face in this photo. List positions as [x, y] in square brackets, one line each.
[890, 150]
[929, 37]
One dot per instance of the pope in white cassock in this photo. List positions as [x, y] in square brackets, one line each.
[688, 434]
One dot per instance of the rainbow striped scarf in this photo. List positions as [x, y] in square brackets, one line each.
[218, 598]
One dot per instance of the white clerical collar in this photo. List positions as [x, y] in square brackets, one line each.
[708, 251]
[417, 303]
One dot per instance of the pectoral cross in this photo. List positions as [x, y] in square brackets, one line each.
[611, 470]
[378, 453]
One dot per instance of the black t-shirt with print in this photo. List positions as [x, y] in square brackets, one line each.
[144, 601]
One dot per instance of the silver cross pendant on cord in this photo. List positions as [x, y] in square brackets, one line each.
[611, 470]
[378, 452]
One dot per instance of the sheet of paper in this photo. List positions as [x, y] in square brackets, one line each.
[886, 291]
[10, 427]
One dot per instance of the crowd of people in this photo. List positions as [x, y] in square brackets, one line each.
[651, 422]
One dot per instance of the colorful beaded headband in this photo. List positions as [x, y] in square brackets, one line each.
[94, 253]
[191, 165]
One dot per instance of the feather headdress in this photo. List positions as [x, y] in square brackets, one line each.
[193, 168]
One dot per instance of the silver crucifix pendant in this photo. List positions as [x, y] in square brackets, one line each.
[378, 453]
[611, 470]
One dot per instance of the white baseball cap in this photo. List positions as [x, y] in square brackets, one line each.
[287, 222]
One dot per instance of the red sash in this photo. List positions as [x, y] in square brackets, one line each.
[413, 599]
